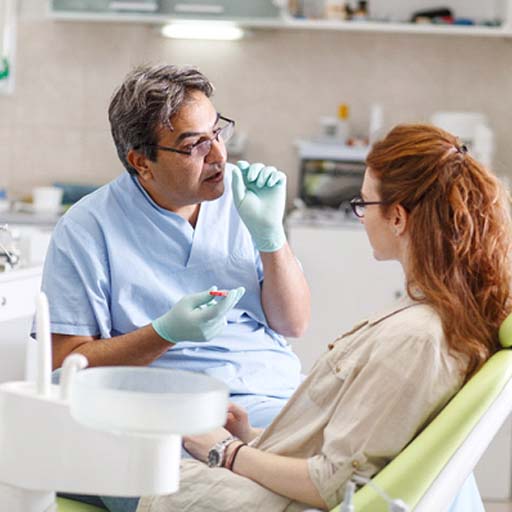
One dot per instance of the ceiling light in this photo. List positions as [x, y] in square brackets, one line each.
[202, 30]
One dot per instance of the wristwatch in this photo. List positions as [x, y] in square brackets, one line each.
[217, 454]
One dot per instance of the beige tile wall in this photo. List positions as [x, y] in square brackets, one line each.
[276, 84]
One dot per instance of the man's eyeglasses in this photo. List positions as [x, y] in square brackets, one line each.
[358, 206]
[202, 147]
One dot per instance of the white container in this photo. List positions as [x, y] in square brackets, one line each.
[47, 199]
[150, 401]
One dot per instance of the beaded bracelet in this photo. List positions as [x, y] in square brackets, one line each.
[231, 461]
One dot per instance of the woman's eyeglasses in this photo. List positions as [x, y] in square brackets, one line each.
[358, 206]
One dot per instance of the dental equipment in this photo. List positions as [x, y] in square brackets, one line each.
[12, 257]
[395, 505]
[103, 431]
[219, 293]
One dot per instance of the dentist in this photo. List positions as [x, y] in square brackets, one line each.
[130, 266]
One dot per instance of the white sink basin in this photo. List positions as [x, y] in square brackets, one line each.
[152, 401]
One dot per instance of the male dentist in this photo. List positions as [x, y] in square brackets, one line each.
[130, 266]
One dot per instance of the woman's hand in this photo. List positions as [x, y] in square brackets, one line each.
[199, 446]
[238, 424]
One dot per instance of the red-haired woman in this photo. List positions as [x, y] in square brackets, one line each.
[427, 203]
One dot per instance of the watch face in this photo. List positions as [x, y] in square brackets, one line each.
[213, 458]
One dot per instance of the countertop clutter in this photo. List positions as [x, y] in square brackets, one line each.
[343, 10]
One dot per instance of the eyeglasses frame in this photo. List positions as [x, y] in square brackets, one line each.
[230, 122]
[357, 201]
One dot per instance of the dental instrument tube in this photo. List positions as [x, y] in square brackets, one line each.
[44, 347]
[71, 365]
[396, 505]
[347, 505]
[219, 293]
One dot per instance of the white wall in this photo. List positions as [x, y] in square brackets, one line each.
[276, 84]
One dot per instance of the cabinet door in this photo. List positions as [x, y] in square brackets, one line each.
[17, 307]
[347, 283]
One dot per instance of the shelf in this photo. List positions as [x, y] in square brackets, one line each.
[401, 28]
[311, 150]
[281, 20]
[296, 24]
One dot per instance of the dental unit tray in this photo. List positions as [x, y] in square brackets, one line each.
[108, 431]
[153, 401]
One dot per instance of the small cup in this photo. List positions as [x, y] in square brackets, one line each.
[46, 199]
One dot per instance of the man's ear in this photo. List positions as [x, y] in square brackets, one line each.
[140, 163]
[400, 218]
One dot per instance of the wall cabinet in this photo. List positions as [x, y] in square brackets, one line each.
[494, 18]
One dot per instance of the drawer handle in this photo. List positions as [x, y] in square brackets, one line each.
[3, 301]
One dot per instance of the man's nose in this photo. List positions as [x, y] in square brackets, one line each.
[217, 152]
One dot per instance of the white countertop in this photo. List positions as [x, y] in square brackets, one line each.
[21, 273]
[39, 219]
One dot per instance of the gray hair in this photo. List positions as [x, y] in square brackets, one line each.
[148, 97]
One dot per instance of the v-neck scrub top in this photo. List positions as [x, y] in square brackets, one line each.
[117, 261]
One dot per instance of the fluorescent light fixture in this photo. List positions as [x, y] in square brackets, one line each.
[221, 31]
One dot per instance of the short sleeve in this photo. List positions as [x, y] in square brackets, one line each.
[385, 404]
[76, 281]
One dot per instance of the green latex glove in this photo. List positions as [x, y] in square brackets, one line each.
[197, 317]
[260, 194]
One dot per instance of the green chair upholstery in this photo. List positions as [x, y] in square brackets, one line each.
[65, 505]
[460, 433]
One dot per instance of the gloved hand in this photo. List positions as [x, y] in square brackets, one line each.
[260, 193]
[197, 317]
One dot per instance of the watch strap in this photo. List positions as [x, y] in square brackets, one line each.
[231, 461]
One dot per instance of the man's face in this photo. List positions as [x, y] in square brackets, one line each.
[177, 180]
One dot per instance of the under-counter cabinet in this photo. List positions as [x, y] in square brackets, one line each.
[18, 291]
[347, 283]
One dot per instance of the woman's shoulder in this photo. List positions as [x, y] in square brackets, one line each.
[408, 316]
[411, 325]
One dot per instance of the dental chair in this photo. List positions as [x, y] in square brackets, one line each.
[65, 505]
[429, 472]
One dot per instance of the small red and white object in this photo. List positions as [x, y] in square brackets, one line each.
[219, 293]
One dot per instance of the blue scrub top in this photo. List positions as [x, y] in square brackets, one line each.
[117, 261]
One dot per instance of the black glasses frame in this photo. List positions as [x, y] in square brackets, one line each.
[230, 122]
[357, 202]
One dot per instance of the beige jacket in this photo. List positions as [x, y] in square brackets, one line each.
[365, 399]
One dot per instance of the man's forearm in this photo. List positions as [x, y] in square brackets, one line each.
[285, 293]
[137, 348]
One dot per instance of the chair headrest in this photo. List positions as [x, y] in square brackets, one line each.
[505, 332]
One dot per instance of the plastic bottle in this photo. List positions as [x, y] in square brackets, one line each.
[343, 131]
[335, 10]
[376, 122]
[361, 13]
